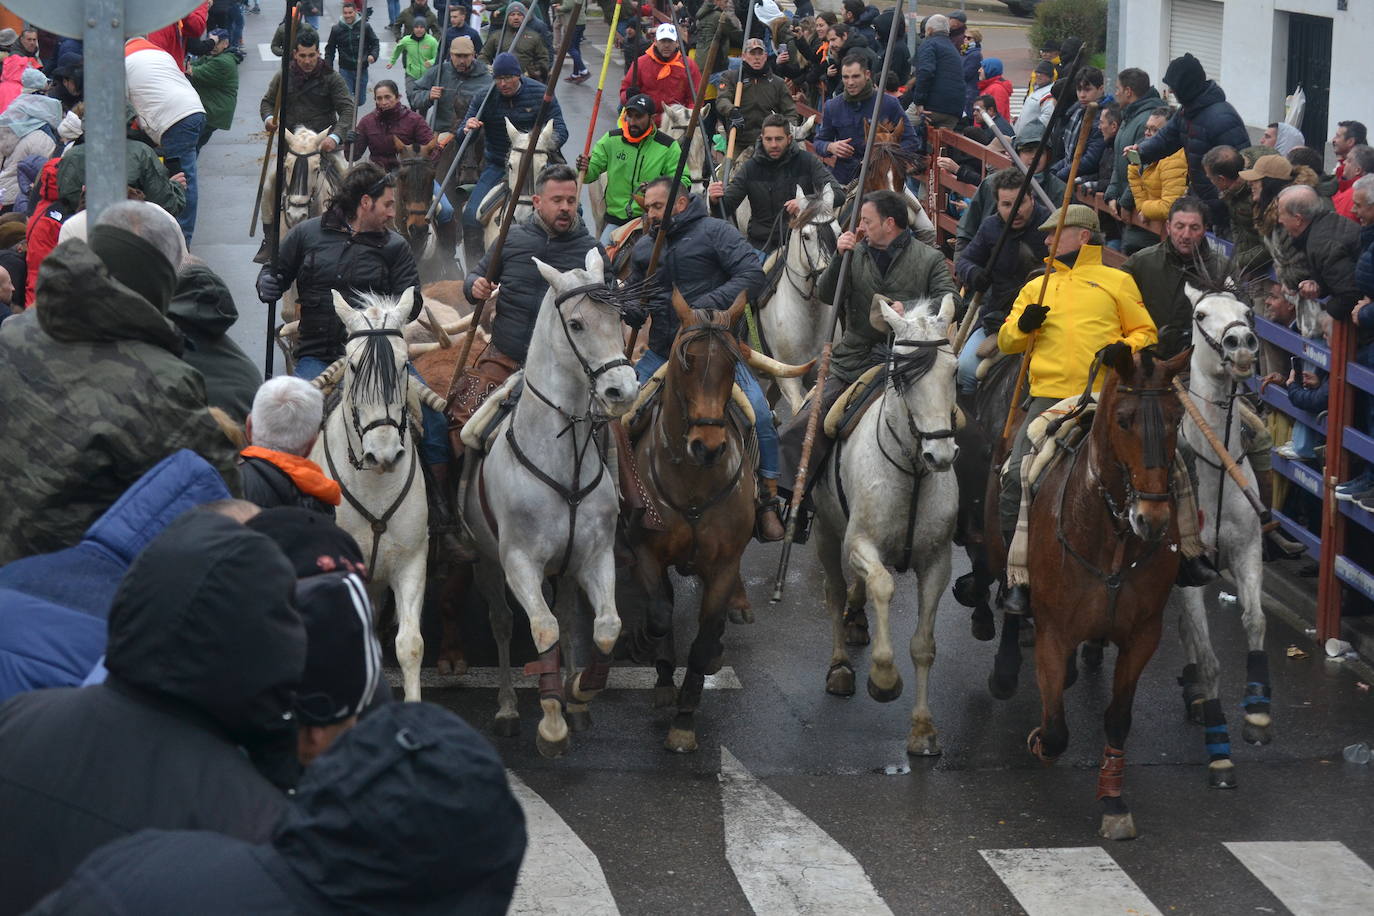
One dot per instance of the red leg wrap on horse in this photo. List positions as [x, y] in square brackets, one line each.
[549, 667]
[1112, 773]
[594, 675]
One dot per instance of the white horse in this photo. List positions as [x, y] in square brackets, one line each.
[312, 177]
[1225, 350]
[889, 498]
[542, 502]
[794, 323]
[674, 124]
[369, 447]
[496, 198]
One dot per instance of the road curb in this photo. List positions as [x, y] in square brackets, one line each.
[1289, 601]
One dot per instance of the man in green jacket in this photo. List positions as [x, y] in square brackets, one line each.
[714, 16]
[1162, 271]
[531, 52]
[635, 153]
[418, 50]
[216, 79]
[144, 170]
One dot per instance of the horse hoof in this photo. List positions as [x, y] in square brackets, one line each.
[1256, 733]
[839, 681]
[1092, 657]
[1221, 774]
[1036, 745]
[665, 695]
[506, 727]
[681, 741]
[1194, 711]
[1117, 827]
[740, 615]
[884, 695]
[579, 720]
[923, 745]
[715, 664]
[456, 666]
[552, 749]
[1001, 688]
[983, 625]
[856, 635]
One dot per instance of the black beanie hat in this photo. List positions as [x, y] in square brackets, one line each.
[343, 660]
[310, 540]
[1186, 78]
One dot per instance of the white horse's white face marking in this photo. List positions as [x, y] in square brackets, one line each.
[930, 400]
[306, 198]
[674, 124]
[375, 380]
[1225, 320]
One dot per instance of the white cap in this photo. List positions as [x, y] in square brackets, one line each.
[666, 30]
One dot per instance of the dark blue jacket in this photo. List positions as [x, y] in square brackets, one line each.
[44, 644]
[940, 85]
[1312, 400]
[451, 33]
[972, 63]
[1364, 267]
[843, 119]
[1093, 151]
[521, 108]
[1207, 121]
[1012, 265]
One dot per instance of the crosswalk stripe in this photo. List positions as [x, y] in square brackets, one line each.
[560, 875]
[620, 679]
[1311, 878]
[783, 860]
[1074, 881]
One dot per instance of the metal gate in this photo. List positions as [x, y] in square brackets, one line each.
[1309, 66]
[1195, 28]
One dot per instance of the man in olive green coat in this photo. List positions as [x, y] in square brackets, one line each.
[93, 390]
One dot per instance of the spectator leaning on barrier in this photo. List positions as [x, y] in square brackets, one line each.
[1154, 188]
[1358, 163]
[1089, 91]
[1328, 249]
[1137, 99]
[939, 92]
[1223, 165]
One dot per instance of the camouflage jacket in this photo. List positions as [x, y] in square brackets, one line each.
[93, 393]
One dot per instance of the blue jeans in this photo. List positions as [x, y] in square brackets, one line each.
[434, 447]
[967, 378]
[764, 429]
[180, 141]
[492, 175]
[445, 212]
[393, 10]
[575, 49]
[351, 78]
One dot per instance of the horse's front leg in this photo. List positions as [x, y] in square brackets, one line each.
[597, 580]
[717, 587]
[408, 585]
[933, 575]
[493, 588]
[1049, 739]
[1248, 570]
[884, 682]
[651, 643]
[1201, 685]
[525, 577]
[839, 677]
[1117, 822]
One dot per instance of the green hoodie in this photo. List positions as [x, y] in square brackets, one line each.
[628, 165]
[419, 54]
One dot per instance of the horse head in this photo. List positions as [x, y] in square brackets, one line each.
[414, 194]
[1136, 429]
[701, 374]
[542, 148]
[920, 372]
[1224, 324]
[310, 175]
[674, 123]
[593, 330]
[375, 383]
[803, 130]
[815, 223]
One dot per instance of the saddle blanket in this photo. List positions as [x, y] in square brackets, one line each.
[478, 430]
[1045, 446]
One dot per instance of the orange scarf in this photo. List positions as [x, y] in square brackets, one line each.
[304, 473]
[667, 67]
[625, 130]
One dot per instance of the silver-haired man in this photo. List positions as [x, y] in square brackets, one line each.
[281, 431]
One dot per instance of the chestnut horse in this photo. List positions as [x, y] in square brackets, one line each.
[1103, 557]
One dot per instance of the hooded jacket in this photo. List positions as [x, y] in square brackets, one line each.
[769, 184]
[203, 647]
[627, 164]
[1161, 273]
[708, 261]
[343, 43]
[1132, 130]
[764, 93]
[91, 379]
[408, 814]
[45, 224]
[204, 311]
[532, 52]
[272, 479]
[216, 78]
[996, 85]
[1327, 253]
[522, 285]
[378, 130]
[11, 72]
[459, 91]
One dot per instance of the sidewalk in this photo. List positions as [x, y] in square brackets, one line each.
[1294, 599]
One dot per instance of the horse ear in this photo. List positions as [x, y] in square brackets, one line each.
[885, 314]
[401, 310]
[684, 311]
[801, 196]
[828, 196]
[511, 133]
[347, 313]
[552, 275]
[288, 137]
[594, 264]
[1193, 293]
[946, 309]
[1120, 358]
[546, 136]
[806, 127]
[1178, 363]
[736, 309]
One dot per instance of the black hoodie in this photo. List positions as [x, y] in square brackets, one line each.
[204, 310]
[204, 646]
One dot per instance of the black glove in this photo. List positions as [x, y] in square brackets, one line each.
[269, 285]
[634, 316]
[736, 121]
[351, 137]
[981, 280]
[1032, 317]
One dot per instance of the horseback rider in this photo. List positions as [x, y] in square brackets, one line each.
[316, 98]
[1087, 305]
[764, 94]
[842, 132]
[889, 260]
[516, 99]
[769, 180]
[710, 263]
[352, 249]
[634, 153]
[451, 85]
[555, 235]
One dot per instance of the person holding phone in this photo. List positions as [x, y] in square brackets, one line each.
[1154, 187]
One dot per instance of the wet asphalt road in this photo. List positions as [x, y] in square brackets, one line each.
[788, 778]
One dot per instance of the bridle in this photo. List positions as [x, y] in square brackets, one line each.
[386, 419]
[895, 381]
[716, 333]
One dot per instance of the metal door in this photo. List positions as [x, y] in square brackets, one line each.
[1309, 65]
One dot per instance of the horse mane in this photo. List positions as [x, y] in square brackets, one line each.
[376, 376]
[1234, 279]
[908, 368]
[415, 178]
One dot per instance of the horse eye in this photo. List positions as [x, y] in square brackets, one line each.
[575, 325]
[1123, 420]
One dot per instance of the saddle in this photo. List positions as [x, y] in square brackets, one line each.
[478, 431]
[849, 407]
[492, 203]
[1047, 444]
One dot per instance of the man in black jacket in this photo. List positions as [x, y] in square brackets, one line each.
[412, 791]
[343, 41]
[204, 650]
[770, 179]
[281, 431]
[554, 235]
[1328, 247]
[203, 310]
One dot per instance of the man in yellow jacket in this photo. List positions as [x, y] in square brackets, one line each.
[1087, 306]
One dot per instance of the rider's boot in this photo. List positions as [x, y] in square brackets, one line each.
[473, 248]
[446, 245]
[767, 520]
[1015, 599]
[442, 522]
[265, 249]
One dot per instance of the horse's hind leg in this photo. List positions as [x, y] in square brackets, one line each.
[1201, 682]
[507, 723]
[1247, 568]
[1117, 823]
[717, 587]
[1006, 665]
[933, 576]
[839, 678]
[884, 683]
[1048, 740]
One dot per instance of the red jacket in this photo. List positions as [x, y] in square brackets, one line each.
[666, 83]
[172, 38]
[1344, 202]
[44, 225]
[999, 87]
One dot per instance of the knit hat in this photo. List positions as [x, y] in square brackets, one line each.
[642, 103]
[505, 65]
[461, 45]
[1186, 78]
[421, 21]
[343, 660]
[33, 80]
[992, 66]
[516, 7]
[1077, 215]
[1268, 167]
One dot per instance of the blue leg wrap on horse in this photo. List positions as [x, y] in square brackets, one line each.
[1214, 730]
[1257, 689]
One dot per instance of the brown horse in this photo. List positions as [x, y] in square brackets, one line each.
[432, 243]
[697, 469]
[1102, 556]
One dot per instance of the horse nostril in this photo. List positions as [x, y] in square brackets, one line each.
[613, 394]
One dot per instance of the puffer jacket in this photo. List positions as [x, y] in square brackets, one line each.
[843, 119]
[1157, 187]
[203, 310]
[1327, 253]
[322, 255]
[1204, 122]
[1091, 305]
[191, 682]
[460, 89]
[1022, 252]
[343, 43]
[521, 109]
[769, 184]
[378, 130]
[1133, 118]
[940, 83]
[522, 285]
[92, 379]
[708, 261]
[319, 100]
[1000, 88]
[1161, 274]
[764, 93]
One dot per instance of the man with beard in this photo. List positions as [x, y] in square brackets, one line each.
[764, 93]
[343, 41]
[452, 85]
[842, 132]
[628, 157]
[531, 52]
[663, 72]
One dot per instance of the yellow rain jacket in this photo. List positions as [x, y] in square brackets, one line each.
[1091, 305]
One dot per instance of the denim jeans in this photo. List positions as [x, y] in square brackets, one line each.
[606, 234]
[350, 77]
[445, 211]
[575, 49]
[968, 361]
[393, 10]
[180, 141]
[492, 175]
[434, 447]
[763, 412]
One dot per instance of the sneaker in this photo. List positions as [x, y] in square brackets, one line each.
[1366, 501]
[1348, 491]
[1287, 451]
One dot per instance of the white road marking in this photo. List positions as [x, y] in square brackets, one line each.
[620, 679]
[784, 861]
[560, 876]
[1311, 878]
[1074, 881]
[1015, 103]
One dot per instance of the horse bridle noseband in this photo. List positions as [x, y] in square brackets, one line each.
[917, 434]
[1216, 344]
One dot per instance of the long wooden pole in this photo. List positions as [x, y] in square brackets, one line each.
[361, 64]
[739, 96]
[276, 119]
[823, 370]
[1024, 369]
[1223, 454]
[596, 102]
[661, 239]
[522, 175]
[293, 10]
